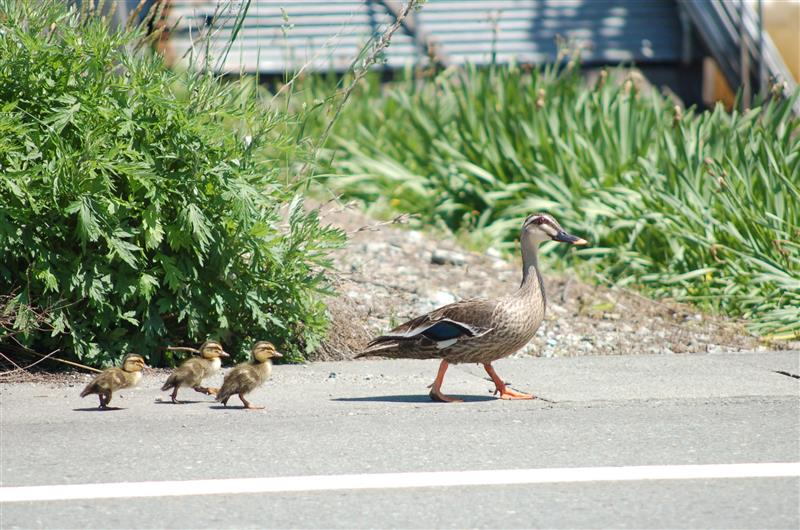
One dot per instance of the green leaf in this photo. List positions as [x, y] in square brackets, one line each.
[147, 285]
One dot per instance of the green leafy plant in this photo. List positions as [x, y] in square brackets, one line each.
[701, 207]
[143, 205]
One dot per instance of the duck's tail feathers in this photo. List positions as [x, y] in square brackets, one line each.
[380, 349]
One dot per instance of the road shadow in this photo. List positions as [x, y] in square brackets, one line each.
[160, 401]
[414, 398]
[98, 409]
[232, 407]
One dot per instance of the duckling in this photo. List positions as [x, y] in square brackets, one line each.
[112, 379]
[192, 372]
[246, 377]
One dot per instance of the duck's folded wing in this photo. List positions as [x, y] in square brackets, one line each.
[436, 330]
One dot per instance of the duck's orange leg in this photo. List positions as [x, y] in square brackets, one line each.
[436, 387]
[502, 388]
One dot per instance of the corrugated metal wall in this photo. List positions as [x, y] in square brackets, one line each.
[284, 35]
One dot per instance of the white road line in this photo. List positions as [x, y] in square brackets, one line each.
[179, 488]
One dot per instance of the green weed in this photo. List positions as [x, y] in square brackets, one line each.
[697, 206]
[146, 206]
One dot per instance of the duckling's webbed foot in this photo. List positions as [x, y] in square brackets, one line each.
[502, 388]
[174, 397]
[206, 391]
[248, 405]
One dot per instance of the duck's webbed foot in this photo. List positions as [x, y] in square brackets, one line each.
[502, 388]
[509, 393]
[436, 395]
[436, 387]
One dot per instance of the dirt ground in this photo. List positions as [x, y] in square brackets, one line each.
[389, 274]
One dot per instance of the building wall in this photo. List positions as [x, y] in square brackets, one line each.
[280, 36]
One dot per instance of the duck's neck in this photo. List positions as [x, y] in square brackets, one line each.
[532, 284]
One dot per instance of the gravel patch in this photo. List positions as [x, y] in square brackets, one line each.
[389, 274]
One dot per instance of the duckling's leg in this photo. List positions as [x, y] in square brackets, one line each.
[105, 399]
[174, 395]
[505, 392]
[249, 405]
[436, 387]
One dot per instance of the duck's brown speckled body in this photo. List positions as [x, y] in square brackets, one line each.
[246, 377]
[480, 330]
[113, 379]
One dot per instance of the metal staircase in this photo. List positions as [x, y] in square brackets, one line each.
[734, 34]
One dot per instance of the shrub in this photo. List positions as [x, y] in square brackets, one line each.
[146, 206]
[699, 206]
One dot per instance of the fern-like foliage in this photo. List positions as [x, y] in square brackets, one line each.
[144, 205]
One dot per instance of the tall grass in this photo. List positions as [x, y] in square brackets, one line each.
[698, 206]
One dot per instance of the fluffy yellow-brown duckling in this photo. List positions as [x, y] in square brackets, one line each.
[192, 372]
[246, 377]
[112, 379]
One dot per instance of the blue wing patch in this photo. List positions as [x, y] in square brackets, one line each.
[445, 330]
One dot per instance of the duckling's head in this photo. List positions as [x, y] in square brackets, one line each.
[540, 227]
[212, 349]
[133, 362]
[264, 351]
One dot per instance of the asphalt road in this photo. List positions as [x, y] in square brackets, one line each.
[374, 417]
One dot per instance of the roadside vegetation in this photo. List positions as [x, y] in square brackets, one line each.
[142, 206]
[701, 207]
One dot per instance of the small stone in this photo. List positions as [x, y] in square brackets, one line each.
[447, 257]
[415, 236]
[332, 375]
[441, 298]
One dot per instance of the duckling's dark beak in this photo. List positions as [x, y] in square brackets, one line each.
[277, 354]
[224, 354]
[564, 237]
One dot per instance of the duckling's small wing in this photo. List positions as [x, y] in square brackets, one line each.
[107, 380]
[241, 379]
[190, 373]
